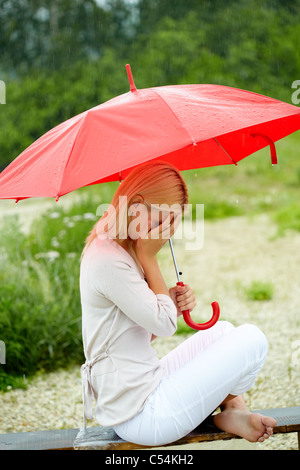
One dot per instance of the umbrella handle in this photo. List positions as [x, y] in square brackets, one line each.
[201, 326]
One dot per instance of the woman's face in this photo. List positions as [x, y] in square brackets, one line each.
[147, 217]
[164, 216]
[156, 217]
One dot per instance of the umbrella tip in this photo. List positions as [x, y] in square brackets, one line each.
[130, 78]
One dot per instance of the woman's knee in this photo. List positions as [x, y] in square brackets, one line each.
[255, 337]
[226, 326]
[221, 328]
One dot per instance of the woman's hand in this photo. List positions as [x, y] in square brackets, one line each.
[148, 245]
[183, 297]
[152, 240]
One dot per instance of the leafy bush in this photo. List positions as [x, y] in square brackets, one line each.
[288, 218]
[259, 290]
[40, 311]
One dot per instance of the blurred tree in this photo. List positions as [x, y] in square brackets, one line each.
[70, 55]
[42, 100]
[246, 43]
[35, 34]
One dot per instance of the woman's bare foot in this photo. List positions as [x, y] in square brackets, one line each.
[237, 419]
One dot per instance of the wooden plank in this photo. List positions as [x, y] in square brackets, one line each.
[97, 437]
[284, 416]
[39, 440]
[288, 419]
[119, 444]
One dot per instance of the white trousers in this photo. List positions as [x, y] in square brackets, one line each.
[200, 373]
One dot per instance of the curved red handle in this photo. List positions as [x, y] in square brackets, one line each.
[201, 326]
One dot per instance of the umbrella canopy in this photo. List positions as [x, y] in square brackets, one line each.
[190, 126]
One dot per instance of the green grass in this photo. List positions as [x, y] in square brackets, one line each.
[288, 218]
[40, 313]
[259, 290]
[254, 187]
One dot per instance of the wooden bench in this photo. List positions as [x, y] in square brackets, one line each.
[99, 438]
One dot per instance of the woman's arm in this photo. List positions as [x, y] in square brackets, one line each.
[118, 281]
[148, 246]
[183, 297]
[153, 275]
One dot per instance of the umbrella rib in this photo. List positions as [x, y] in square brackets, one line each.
[225, 151]
[68, 159]
[176, 117]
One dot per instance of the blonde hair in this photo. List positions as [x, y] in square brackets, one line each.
[155, 182]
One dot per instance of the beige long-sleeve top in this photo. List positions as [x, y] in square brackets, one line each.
[119, 315]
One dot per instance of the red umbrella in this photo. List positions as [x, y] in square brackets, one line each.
[191, 126]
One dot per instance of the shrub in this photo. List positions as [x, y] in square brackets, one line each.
[259, 290]
[40, 310]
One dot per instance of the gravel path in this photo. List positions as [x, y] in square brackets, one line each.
[236, 252]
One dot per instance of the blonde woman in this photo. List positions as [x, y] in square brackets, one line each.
[126, 304]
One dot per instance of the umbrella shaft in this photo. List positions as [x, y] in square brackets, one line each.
[174, 260]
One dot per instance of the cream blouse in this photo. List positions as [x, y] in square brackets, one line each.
[119, 315]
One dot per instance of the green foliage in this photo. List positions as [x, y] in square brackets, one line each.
[259, 290]
[40, 310]
[41, 101]
[252, 188]
[37, 35]
[288, 218]
[58, 61]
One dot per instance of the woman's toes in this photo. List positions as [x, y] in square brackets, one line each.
[269, 422]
